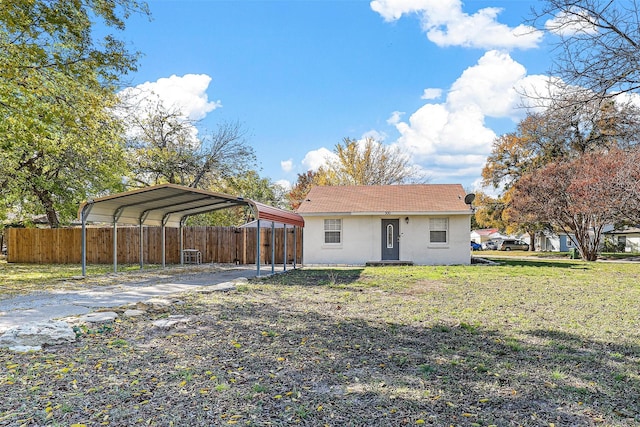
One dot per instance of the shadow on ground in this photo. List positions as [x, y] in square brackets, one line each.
[263, 356]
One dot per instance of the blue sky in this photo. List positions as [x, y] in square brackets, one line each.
[439, 79]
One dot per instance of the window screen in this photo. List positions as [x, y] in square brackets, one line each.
[438, 229]
[333, 231]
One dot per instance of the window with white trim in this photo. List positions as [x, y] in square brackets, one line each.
[332, 231]
[438, 230]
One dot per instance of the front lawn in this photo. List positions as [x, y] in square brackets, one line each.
[527, 343]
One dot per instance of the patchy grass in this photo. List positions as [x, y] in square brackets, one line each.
[526, 343]
[16, 279]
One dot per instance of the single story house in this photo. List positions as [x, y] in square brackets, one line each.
[554, 242]
[484, 235]
[626, 239]
[425, 224]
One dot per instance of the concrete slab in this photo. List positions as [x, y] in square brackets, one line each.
[60, 304]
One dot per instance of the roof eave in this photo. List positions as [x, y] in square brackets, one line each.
[387, 213]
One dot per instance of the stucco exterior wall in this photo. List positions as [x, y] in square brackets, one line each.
[362, 240]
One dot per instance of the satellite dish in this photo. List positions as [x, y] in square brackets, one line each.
[469, 198]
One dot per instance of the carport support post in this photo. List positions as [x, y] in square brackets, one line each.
[284, 232]
[162, 240]
[295, 246]
[181, 238]
[258, 247]
[115, 245]
[141, 246]
[273, 247]
[85, 212]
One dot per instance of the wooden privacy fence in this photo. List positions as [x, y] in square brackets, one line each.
[217, 244]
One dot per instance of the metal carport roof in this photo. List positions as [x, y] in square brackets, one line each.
[168, 205]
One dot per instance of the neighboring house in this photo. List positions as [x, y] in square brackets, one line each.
[626, 239]
[562, 242]
[427, 224]
[484, 235]
[552, 242]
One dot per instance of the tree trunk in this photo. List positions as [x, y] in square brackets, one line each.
[532, 240]
[47, 203]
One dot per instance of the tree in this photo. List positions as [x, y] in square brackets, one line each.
[560, 133]
[488, 211]
[582, 195]
[367, 163]
[493, 212]
[556, 134]
[164, 147]
[598, 49]
[301, 188]
[61, 143]
[250, 186]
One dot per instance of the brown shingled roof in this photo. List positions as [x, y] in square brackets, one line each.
[421, 198]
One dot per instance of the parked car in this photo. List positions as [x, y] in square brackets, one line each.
[513, 245]
[490, 245]
[475, 246]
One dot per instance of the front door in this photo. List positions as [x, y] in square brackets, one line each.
[390, 240]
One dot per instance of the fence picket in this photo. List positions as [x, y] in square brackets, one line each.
[217, 245]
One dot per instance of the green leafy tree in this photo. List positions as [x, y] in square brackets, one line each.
[249, 186]
[60, 141]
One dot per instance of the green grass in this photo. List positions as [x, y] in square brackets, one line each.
[530, 342]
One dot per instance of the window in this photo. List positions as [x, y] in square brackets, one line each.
[389, 236]
[333, 231]
[438, 229]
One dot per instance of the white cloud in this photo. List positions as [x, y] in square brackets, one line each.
[446, 24]
[285, 184]
[628, 98]
[451, 139]
[431, 93]
[395, 117]
[489, 85]
[577, 21]
[187, 94]
[373, 134]
[316, 158]
[286, 165]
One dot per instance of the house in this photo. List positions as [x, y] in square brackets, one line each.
[485, 234]
[548, 241]
[626, 239]
[488, 238]
[426, 224]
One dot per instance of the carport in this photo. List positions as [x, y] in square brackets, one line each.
[169, 205]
